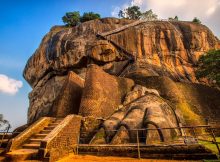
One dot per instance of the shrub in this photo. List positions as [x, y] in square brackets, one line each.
[134, 13]
[196, 20]
[89, 16]
[209, 67]
[74, 18]
[71, 18]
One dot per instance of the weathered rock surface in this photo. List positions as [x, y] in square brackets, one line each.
[43, 96]
[161, 48]
[58, 97]
[194, 103]
[103, 93]
[144, 111]
[141, 76]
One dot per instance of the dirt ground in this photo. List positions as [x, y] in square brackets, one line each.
[88, 158]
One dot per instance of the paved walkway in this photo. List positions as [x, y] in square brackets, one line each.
[88, 158]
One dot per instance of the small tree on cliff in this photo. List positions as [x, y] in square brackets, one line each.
[74, 18]
[87, 16]
[209, 67]
[196, 20]
[71, 18]
[149, 15]
[132, 12]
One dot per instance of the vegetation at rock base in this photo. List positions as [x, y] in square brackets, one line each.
[74, 18]
[209, 67]
[196, 20]
[134, 13]
[210, 145]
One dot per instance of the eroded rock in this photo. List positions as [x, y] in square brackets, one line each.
[161, 48]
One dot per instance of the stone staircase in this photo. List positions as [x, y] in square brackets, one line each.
[30, 148]
[35, 141]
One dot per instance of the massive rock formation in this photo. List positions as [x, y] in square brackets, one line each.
[161, 48]
[143, 78]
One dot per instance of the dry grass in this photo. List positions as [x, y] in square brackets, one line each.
[88, 158]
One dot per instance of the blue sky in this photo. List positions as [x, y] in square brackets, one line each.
[23, 23]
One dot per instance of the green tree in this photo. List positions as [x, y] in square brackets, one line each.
[4, 124]
[132, 12]
[71, 18]
[89, 16]
[121, 14]
[196, 20]
[149, 15]
[209, 67]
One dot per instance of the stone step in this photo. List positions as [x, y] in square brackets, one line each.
[49, 128]
[22, 154]
[39, 136]
[53, 125]
[31, 146]
[3, 159]
[45, 131]
[35, 140]
[57, 121]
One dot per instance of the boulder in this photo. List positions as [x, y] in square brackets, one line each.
[43, 96]
[58, 97]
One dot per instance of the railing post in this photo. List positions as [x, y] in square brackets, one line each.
[214, 140]
[194, 134]
[138, 146]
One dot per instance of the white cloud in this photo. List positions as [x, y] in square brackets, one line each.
[9, 85]
[206, 10]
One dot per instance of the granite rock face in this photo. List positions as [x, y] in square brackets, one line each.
[160, 47]
[121, 75]
[58, 97]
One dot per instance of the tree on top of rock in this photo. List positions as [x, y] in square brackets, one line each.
[134, 13]
[71, 18]
[87, 16]
[196, 20]
[74, 18]
[149, 15]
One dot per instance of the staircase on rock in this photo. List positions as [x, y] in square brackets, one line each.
[35, 141]
[30, 148]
